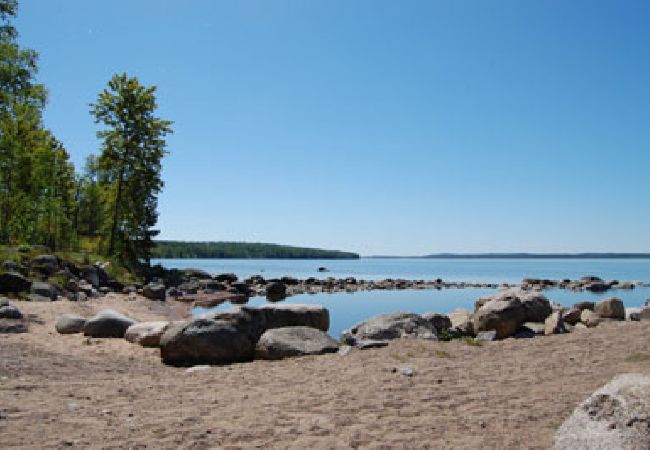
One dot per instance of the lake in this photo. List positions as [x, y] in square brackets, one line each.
[348, 309]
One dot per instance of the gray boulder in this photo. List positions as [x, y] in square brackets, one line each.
[10, 312]
[616, 416]
[9, 266]
[155, 291]
[147, 334]
[70, 324]
[439, 321]
[611, 308]
[390, 326]
[13, 282]
[4, 302]
[287, 342]
[44, 290]
[296, 315]
[503, 314]
[209, 341]
[107, 324]
[276, 291]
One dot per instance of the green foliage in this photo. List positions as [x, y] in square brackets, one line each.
[473, 342]
[180, 249]
[130, 165]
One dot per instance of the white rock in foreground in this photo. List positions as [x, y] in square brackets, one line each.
[616, 416]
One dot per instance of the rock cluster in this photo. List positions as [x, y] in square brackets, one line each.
[235, 335]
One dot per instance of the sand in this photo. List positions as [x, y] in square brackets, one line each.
[67, 391]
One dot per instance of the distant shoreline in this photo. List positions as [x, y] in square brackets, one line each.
[521, 256]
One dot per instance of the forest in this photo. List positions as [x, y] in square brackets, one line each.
[109, 207]
[180, 249]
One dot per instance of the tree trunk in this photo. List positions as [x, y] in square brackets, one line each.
[116, 214]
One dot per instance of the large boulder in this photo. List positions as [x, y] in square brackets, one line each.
[231, 338]
[155, 291]
[286, 342]
[503, 314]
[44, 290]
[296, 315]
[616, 416]
[10, 312]
[611, 308]
[13, 282]
[276, 291]
[390, 326]
[107, 324]
[70, 324]
[147, 334]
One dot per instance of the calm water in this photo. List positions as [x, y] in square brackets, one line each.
[347, 309]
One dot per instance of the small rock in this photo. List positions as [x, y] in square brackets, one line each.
[344, 350]
[590, 318]
[10, 312]
[489, 335]
[70, 324]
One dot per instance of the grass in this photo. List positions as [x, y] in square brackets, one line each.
[638, 357]
[441, 354]
[473, 342]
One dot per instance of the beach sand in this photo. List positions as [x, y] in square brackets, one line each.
[68, 391]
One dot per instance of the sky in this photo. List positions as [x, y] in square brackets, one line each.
[381, 127]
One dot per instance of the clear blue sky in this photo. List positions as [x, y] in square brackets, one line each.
[383, 127]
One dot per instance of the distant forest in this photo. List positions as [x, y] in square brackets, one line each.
[244, 250]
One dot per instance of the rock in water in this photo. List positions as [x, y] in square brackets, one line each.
[611, 308]
[286, 342]
[230, 338]
[279, 316]
[70, 324]
[276, 291]
[390, 326]
[503, 314]
[147, 334]
[107, 324]
[616, 416]
[13, 282]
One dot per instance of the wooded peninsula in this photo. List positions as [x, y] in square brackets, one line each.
[181, 249]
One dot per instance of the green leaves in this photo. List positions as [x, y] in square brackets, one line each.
[133, 145]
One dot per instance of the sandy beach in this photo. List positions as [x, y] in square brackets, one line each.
[70, 391]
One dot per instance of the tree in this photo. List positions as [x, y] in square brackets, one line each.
[35, 175]
[133, 145]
